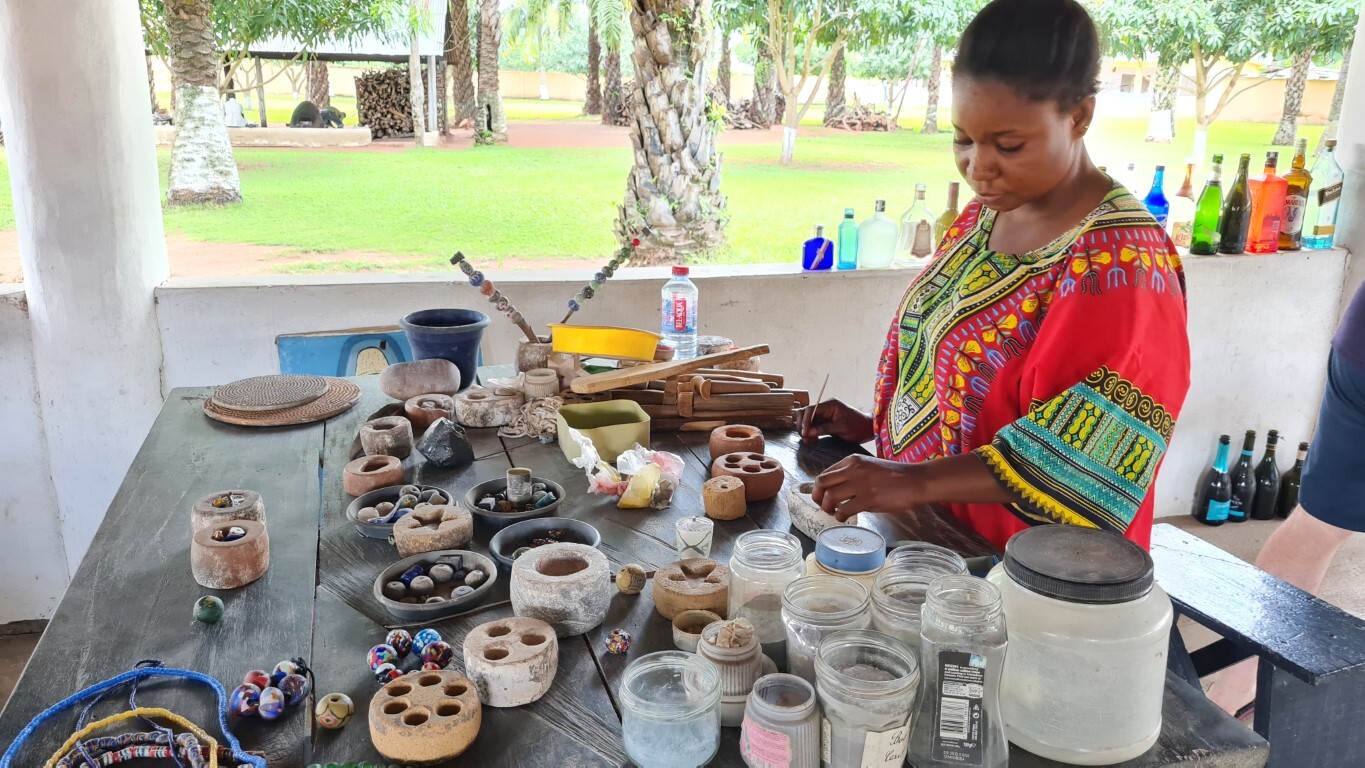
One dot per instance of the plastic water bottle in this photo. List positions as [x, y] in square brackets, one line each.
[679, 325]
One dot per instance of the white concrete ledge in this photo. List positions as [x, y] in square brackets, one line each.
[281, 137]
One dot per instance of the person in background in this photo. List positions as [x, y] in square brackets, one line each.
[1034, 370]
[232, 112]
[1331, 494]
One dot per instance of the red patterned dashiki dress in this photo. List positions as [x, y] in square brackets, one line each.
[1064, 369]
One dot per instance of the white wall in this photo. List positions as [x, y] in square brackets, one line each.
[33, 566]
[1260, 328]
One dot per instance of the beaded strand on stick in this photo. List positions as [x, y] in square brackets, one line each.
[598, 280]
[495, 296]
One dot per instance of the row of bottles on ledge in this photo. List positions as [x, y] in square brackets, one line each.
[879, 241]
[1244, 493]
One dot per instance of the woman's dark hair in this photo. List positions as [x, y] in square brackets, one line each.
[1046, 49]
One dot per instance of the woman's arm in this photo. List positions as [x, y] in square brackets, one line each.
[864, 484]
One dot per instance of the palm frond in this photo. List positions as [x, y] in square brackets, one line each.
[612, 22]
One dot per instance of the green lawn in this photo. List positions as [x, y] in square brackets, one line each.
[500, 202]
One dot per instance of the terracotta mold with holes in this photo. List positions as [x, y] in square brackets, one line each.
[699, 584]
[217, 508]
[367, 473]
[736, 438]
[404, 381]
[511, 661]
[234, 563]
[807, 516]
[388, 436]
[425, 718]
[724, 498]
[565, 585]
[481, 408]
[430, 527]
[762, 476]
[422, 411]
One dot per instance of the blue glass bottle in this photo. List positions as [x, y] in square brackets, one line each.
[1156, 201]
[848, 241]
[818, 253]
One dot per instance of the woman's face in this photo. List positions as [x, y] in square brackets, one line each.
[1012, 150]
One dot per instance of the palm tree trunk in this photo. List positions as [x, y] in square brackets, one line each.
[935, 75]
[723, 69]
[202, 166]
[319, 86]
[592, 99]
[613, 95]
[490, 123]
[764, 110]
[673, 204]
[460, 59]
[1293, 100]
[1161, 118]
[834, 103]
[260, 95]
[1334, 114]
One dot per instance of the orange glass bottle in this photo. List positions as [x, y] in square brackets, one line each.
[1267, 208]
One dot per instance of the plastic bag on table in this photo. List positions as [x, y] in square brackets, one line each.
[670, 466]
[602, 478]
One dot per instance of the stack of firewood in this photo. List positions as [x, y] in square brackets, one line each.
[860, 117]
[383, 100]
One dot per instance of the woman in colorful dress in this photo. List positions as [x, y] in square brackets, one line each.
[1035, 369]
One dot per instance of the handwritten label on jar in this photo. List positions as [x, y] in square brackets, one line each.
[886, 749]
[957, 739]
[763, 747]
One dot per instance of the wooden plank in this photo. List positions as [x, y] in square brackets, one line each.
[603, 382]
[1303, 635]
[772, 378]
[1310, 724]
[133, 593]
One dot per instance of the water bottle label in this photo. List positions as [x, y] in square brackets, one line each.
[958, 737]
[1218, 510]
[680, 315]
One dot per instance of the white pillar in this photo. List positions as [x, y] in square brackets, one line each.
[1351, 155]
[73, 100]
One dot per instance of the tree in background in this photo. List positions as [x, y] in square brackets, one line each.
[490, 122]
[746, 17]
[416, 91]
[460, 60]
[592, 98]
[540, 21]
[941, 22]
[1329, 131]
[319, 86]
[673, 205]
[1301, 31]
[1161, 117]
[613, 27]
[895, 61]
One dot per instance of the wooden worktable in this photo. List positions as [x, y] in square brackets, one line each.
[132, 596]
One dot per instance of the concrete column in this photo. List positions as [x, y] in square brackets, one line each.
[1351, 154]
[73, 100]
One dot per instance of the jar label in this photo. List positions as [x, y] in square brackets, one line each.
[763, 747]
[957, 737]
[886, 749]
[826, 742]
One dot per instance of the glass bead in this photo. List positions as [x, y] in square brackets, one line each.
[581, 296]
[432, 666]
[334, 711]
[296, 688]
[600, 277]
[615, 263]
[588, 292]
[608, 271]
[387, 672]
[503, 304]
[488, 289]
[438, 652]
[381, 654]
[618, 642]
[424, 638]
[257, 677]
[410, 574]
[573, 305]
[208, 609]
[286, 667]
[244, 700]
[596, 285]
[271, 704]
[400, 640]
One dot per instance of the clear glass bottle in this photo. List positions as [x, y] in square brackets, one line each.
[762, 564]
[962, 653]
[867, 682]
[898, 593]
[848, 241]
[815, 606]
[1329, 176]
[877, 240]
[679, 315]
[781, 726]
[1181, 219]
[917, 229]
[670, 710]
[817, 255]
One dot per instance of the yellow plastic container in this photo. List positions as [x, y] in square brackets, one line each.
[604, 341]
[613, 426]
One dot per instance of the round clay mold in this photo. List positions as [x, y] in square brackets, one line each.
[424, 410]
[565, 585]
[425, 718]
[387, 436]
[762, 475]
[699, 584]
[736, 438]
[217, 508]
[229, 564]
[511, 661]
[431, 527]
[367, 473]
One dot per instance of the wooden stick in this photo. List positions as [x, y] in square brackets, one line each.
[770, 377]
[743, 401]
[821, 397]
[709, 388]
[603, 382]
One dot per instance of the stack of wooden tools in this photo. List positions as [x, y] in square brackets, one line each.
[694, 395]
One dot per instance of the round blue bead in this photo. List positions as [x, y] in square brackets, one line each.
[573, 305]
[424, 638]
[271, 704]
[295, 688]
[600, 277]
[244, 700]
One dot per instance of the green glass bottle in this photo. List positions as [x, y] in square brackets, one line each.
[1204, 237]
[1236, 221]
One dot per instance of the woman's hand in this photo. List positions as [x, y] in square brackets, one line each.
[864, 484]
[836, 419]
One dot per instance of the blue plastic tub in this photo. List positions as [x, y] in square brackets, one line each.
[450, 334]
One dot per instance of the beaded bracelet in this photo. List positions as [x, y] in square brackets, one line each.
[164, 714]
[85, 752]
[623, 256]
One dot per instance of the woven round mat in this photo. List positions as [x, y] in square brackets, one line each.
[339, 397]
[269, 393]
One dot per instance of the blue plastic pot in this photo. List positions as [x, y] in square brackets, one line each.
[450, 334]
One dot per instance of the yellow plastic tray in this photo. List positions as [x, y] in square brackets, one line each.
[605, 341]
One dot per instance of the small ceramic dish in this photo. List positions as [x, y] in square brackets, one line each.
[497, 520]
[687, 627]
[379, 496]
[448, 607]
[517, 535]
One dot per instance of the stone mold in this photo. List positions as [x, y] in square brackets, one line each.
[807, 516]
[388, 436]
[431, 527]
[483, 408]
[424, 410]
[425, 718]
[565, 585]
[511, 661]
[736, 438]
[724, 498]
[762, 476]
[699, 584]
[367, 473]
[217, 508]
[230, 564]
[404, 381]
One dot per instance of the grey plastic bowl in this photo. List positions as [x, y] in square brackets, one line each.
[377, 496]
[498, 520]
[432, 611]
[518, 535]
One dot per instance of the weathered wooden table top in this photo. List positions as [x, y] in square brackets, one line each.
[132, 597]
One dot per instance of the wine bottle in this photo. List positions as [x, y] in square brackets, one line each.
[1267, 208]
[848, 241]
[1295, 200]
[1204, 237]
[1156, 201]
[1267, 481]
[1215, 492]
[1289, 485]
[1236, 218]
[1181, 220]
[1243, 482]
[948, 217]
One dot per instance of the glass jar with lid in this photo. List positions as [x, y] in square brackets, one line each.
[762, 564]
[670, 710]
[962, 653]
[867, 683]
[781, 727]
[898, 591]
[1089, 632]
[815, 606]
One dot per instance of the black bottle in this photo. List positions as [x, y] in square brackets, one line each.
[1215, 492]
[1289, 485]
[1267, 481]
[1243, 482]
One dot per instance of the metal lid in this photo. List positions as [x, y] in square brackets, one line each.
[1078, 565]
[850, 549]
